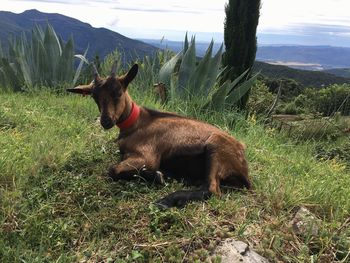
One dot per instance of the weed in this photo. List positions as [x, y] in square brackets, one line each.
[57, 204]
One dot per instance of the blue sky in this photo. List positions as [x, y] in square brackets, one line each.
[304, 21]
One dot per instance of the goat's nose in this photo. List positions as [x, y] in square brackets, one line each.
[107, 122]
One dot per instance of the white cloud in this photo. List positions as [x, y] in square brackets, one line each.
[278, 14]
[155, 18]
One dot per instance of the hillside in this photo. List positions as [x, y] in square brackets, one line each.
[300, 57]
[307, 78]
[101, 41]
[316, 57]
[340, 72]
[176, 46]
[57, 205]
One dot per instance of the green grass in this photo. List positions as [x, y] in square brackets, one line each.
[58, 206]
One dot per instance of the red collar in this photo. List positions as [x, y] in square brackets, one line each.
[129, 121]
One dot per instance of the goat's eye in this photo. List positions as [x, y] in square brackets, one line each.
[116, 95]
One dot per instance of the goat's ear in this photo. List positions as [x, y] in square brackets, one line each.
[128, 77]
[82, 89]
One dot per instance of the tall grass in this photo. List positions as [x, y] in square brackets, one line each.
[56, 204]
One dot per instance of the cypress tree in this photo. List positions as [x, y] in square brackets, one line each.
[242, 17]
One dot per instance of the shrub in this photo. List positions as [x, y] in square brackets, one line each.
[341, 152]
[289, 87]
[261, 99]
[42, 60]
[326, 101]
[187, 77]
[332, 99]
[290, 108]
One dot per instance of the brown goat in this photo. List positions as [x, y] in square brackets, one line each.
[156, 144]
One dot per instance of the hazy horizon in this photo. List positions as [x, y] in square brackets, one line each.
[288, 22]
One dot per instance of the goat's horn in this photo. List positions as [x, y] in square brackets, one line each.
[114, 68]
[94, 70]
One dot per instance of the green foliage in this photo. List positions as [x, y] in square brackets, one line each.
[289, 87]
[291, 108]
[103, 67]
[314, 129]
[241, 21]
[42, 60]
[337, 152]
[260, 99]
[326, 101]
[187, 77]
[149, 67]
[335, 98]
[57, 206]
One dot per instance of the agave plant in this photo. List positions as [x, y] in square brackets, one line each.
[42, 60]
[187, 76]
[150, 65]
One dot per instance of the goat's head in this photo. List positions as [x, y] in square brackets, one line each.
[110, 94]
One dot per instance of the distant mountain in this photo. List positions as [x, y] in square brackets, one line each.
[306, 57]
[299, 57]
[307, 78]
[101, 41]
[340, 72]
[176, 46]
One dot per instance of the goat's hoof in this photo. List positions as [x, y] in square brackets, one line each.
[160, 178]
[111, 173]
[155, 176]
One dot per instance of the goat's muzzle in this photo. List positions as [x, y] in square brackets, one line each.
[107, 122]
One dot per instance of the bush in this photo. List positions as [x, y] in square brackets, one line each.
[326, 101]
[341, 152]
[261, 99]
[288, 108]
[42, 60]
[289, 87]
[334, 98]
[187, 78]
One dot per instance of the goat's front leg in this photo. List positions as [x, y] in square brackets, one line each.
[133, 168]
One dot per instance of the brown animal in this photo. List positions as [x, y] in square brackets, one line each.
[156, 144]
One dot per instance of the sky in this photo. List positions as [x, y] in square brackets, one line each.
[324, 22]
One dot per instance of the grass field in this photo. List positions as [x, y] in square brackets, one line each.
[58, 206]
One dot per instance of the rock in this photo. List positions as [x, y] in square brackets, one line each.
[305, 223]
[232, 251]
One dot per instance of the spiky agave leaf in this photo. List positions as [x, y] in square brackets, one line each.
[44, 60]
[213, 72]
[218, 98]
[187, 68]
[65, 66]
[236, 94]
[168, 69]
[238, 80]
[9, 76]
[199, 77]
[39, 65]
[80, 66]
[53, 51]
[185, 44]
